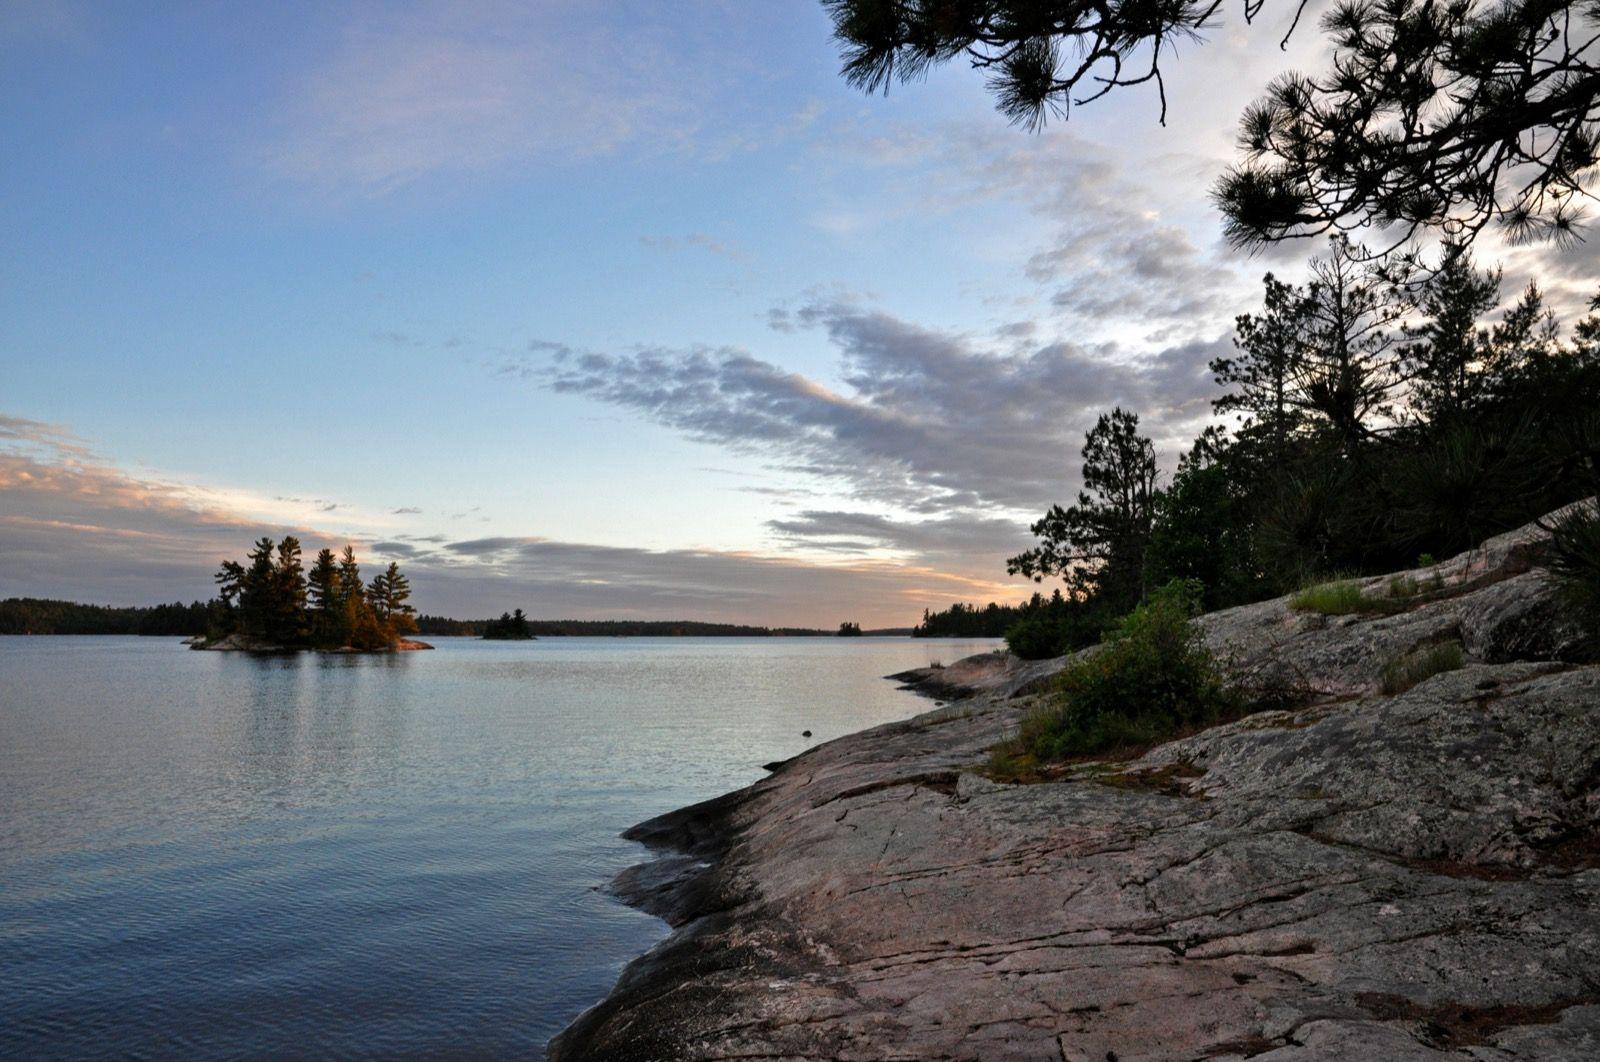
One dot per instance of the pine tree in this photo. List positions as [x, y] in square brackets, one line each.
[287, 620]
[388, 594]
[258, 590]
[1271, 348]
[323, 581]
[1449, 361]
[1523, 346]
[1098, 545]
[230, 584]
[324, 588]
[1350, 371]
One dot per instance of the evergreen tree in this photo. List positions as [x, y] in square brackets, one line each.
[1271, 351]
[287, 622]
[1202, 527]
[353, 608]
[324, 589]
[1448, 360]
[388, 595]
[508, 627]
[230, 584]
[1349, 373]
[322, 582]
[1432, 115]
[1524, 346]
[1098, 545]
[258, 590]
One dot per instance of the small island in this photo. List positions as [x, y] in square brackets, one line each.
[272, 604]
[510, 627]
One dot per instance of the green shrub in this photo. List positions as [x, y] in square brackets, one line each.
[1407, 671]
[1037, 638]
[1153, 678]
[1575, 562]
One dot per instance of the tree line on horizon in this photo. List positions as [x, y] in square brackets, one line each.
[35, 615]
[26, 615]
[447, 627]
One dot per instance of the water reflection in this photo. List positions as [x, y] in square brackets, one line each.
[210, 853]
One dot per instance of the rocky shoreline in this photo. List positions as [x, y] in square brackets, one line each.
[238, 643]
[1362, 875]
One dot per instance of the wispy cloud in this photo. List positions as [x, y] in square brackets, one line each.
[78, 527]
[694, 241]
[928, 421]
[449, 89]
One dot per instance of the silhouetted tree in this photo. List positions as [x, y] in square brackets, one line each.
[1098, 544]
[388, 595]
[1449, 359]
[509, 627]
[1432, 115]
[1271, 351]
[1446, 115]
[279, 604]
[322, 584]
[1348, 372]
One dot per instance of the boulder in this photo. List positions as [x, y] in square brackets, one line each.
[1522, 618]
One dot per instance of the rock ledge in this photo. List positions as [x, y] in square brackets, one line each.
[1405, 877]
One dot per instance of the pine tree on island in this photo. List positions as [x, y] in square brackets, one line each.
[510, 627]
[274, 603]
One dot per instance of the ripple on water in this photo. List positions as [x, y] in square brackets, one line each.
[211, 855]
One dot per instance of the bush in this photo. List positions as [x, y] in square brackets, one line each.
[1056, 628]
[1153, 678]
[1037, 638]
[1407, 671]
[1575, 562]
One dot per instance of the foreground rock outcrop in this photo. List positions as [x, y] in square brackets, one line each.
[1363, 876]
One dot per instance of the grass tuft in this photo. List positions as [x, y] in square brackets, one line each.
[1420, 665]
[1575, 563]
[1342, 597]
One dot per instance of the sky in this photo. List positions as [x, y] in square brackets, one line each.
[597, 310]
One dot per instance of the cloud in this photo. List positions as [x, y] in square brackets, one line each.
[78, 528]
[927, 420]
[1118, 252]
[969, 543]
[39, 436]
[72, 527]
[700, 240]
[405, 510]
[566, 579]
[441, 89]
[446, 88]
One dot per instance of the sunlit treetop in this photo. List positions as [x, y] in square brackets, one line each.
[1447, 116]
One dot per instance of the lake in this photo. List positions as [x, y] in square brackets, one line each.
[213, 854]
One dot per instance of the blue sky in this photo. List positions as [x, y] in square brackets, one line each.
[593, 309]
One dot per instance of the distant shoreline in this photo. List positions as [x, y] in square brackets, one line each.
[24, 615]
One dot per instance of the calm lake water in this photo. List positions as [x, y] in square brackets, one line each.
[211, 854]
